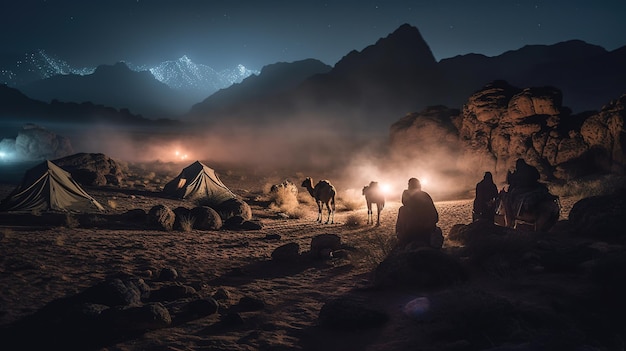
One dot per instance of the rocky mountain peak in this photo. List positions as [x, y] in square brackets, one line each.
[404, 48]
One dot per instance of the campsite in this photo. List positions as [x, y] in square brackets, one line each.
[274, 287]
[389, 198]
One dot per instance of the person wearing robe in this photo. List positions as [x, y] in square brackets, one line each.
[417, 217]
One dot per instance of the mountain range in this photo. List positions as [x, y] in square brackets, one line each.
[398, 74]
[365, 90]
[183, 82]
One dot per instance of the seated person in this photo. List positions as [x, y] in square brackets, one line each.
[417, 218]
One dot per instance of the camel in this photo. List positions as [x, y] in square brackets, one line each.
[374, 195]
[541, 216]
[324, 194]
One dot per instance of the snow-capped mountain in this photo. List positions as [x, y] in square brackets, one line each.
[184, 74]
[33, 66]
[180, 74]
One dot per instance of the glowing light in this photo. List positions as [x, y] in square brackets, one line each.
[180, 155]
[6, 156]
[385, 188]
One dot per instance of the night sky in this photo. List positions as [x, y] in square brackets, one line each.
[255, 33]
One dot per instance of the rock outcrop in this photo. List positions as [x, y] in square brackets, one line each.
[93, 168]
[501, 123]
[34, 142]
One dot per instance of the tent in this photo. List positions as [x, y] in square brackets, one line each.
[48, 187]
[198, 181]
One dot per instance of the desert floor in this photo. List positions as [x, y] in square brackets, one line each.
[40, 263]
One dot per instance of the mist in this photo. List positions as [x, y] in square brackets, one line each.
[303, 145]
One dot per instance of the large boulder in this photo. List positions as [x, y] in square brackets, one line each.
[34, 142]
[600, 216]
[183, 218]
[289, 252]
[234, 207]
[116, 292]
[322, 245]
[161, 217]
[93, 168]
[421, 268]
[137, 318]
[205, 218]
[606, 131]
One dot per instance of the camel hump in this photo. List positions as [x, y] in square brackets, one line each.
[324, 182]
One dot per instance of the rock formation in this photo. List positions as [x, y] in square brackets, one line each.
[93, 168]
[34, 142]
[501, 123]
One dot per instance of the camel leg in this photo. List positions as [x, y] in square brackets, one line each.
[369, 213]
[378, 209]
[319, 211]
[328, 218]
[331, 214]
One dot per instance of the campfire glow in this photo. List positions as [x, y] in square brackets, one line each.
[181, 155]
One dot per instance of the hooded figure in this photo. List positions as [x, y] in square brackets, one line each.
[417, 218]
[485, 201]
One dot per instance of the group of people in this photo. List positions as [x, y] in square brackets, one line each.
[417, 217]
[523, 180]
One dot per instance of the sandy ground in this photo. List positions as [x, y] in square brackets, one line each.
[41, 263]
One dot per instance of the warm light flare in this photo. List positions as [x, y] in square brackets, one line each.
[385, 188]
[180, 155]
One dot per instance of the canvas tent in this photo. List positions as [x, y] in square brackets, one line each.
[198, 181]
[47, 187]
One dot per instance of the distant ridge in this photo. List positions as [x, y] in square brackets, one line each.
[370, 89]
[15, 106]
[180, 74]
[275, 79]
[112, 85]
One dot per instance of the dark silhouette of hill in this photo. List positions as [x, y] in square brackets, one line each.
[112, 85]
[392, 77]
[398, 74]
[15, 106]
[275, 79]
[588, 75]
[363, 86]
